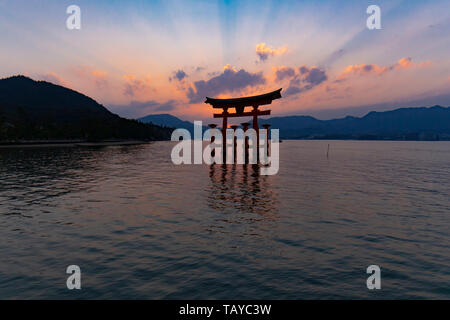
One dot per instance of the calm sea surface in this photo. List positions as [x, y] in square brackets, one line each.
[140, 227]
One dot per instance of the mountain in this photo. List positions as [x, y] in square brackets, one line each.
[426, 123]
[432, 123]
[39, 110]
[169, 121]
[166, 120]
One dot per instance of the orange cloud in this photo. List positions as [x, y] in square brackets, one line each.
[229, 67]
[99, 74]
[99, 77]
[406, 63]
[53, 78]
[264, 52]
[364, 69]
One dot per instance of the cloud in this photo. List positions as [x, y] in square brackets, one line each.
[53, 78]
[179, 75]
[99, 77]
[292, 90]
[230, 80]
[141, 108]
[313, 75]
[302, 79]
[264, 52]
[366, 69]
[283, 72]
[154, 105]
[213, 73]
[363, 69]
[134, 85]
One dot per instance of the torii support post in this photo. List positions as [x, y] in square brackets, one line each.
[213, 126]
[267, 126]
[224, 133]
[234, 127]
[256, 127]
[245, 126]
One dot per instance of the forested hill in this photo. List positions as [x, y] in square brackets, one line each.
[39, 110]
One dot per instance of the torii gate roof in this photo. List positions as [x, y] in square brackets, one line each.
[259, 100]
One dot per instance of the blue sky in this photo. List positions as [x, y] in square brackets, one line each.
[128, 53]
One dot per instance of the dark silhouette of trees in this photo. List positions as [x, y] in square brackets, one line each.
[38, 110]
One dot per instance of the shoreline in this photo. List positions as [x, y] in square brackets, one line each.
[106, 143]
[70, 143]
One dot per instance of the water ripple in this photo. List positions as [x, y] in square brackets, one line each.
[141, 227]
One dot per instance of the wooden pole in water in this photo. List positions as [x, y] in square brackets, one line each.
[256, 127]
[224, 133]
[234, 127]
[245, 125]
[213, 126]
[267, 126]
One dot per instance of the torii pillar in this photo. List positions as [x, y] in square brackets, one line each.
[213, 126]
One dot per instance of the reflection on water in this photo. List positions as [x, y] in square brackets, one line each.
[242, 188]
[141, 227]
[35, 176]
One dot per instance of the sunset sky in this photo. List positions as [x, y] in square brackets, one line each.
[145, 57]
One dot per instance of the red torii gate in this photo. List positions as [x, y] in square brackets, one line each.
[239, 104]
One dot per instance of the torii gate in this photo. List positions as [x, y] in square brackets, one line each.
[239, 104]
